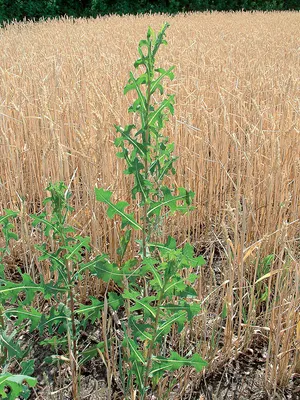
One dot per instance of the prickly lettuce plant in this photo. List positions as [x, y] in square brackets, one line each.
[157, 297]
[11, 385]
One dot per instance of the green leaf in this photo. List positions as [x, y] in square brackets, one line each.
[8, 214]
[164, 328]
[118, 208]
[57, 263]
[135, 353]
[10, 291]
[124, 241]
[139, 330]
[174, 362]
[171, 201]
[164, 248]
[92, 311]
[42, 219]
[21, 314]
[149, 269]
[55, 341]
[192, 309]
[74, 252]
[157, 115]
[189, 260]
[139, 371]
[27, 367]
[90, 266]
[107, 271]
[90, 352]
[15, 384]
[163, 73]
[141, 303]
[135, 84]
[53, 290]
[115, 301]
[8, 228]
[8, 342]
[57, 320]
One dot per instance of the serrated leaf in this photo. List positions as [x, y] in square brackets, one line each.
[163, 73]
[175, 286]
[21, 314]
[135, 353]
[116, 209]
[8, 214]
[92, 311]
[124, 241]
[74, 252]
[57, 263]
[8, 342]
[27, 367]
[157, 114]
[16, 385]
[134, 84]
[164, 328]
[91, 352]
[171, 201]
[138, 148]
[189, 260]
[139, 371]
[115, 301]
[57, 320]
[192, 309]
[89, 266]
[42, 219]
[53, 289]
[141, 303]
[175, 361]
[10, 291]
[55, 341]
[139, 330]
[156, 282]
[164, 248]
[107, 271]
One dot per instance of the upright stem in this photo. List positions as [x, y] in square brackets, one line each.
[73, 353]
[153, 340]
[70, 300]
[147, 137]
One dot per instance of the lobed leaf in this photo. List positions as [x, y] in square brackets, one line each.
[21, 314]
[8, 342]
[175, 361]
[16, 385]
[92, 311]
[10, 291]
[116, 209]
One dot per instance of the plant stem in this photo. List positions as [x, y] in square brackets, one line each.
[153, 340]
[146, 144]
[73, 353]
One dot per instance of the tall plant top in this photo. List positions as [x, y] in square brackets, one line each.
[147, 152]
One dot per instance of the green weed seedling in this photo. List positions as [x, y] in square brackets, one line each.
[156, 296]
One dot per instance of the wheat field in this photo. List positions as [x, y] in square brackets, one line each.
[236, 129]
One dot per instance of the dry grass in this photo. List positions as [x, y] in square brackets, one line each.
[236, 130]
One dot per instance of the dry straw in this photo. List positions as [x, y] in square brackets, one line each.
[236, 129]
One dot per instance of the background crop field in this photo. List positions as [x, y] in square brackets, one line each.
[236, 130]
